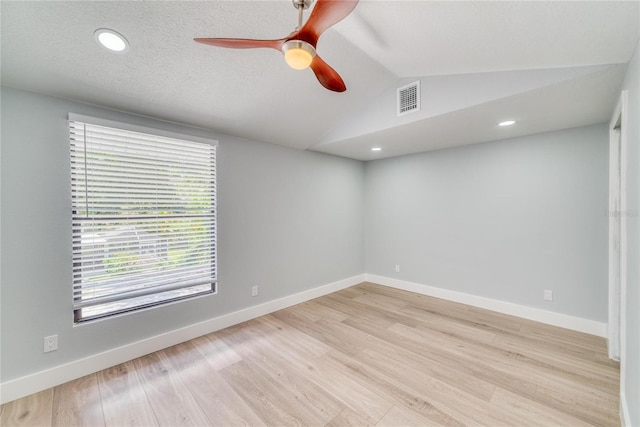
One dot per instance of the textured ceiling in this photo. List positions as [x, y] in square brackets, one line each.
[552, 65]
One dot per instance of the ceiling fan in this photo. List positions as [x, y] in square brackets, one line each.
[299, 47]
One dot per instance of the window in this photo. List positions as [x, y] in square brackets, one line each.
[143, 217]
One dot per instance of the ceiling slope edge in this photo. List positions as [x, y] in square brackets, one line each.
[577, 102]
[445, 94]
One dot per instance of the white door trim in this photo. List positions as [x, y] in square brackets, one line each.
[618, 218]
[613, 329]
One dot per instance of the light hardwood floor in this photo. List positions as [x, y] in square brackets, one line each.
[367, 355]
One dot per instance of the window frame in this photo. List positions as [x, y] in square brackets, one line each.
[79, 303]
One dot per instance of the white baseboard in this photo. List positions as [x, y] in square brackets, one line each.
[33, 383]
[549, 317]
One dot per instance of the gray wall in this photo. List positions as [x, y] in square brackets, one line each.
[502, 220]
[289, 221]
[632, 356]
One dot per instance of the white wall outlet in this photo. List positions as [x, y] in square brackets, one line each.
[548, 295]
[397, 268]
[254, 291]
[50, 343]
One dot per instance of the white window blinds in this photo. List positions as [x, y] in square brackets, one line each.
[143, 218]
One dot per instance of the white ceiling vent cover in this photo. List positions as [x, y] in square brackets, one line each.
[409, 98]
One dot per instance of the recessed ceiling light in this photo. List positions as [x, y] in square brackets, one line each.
[507, 123]
[376, 149]
[111, 40]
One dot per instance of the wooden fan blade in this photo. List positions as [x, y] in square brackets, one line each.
[327, 76]
[325, 14]
[242, 43]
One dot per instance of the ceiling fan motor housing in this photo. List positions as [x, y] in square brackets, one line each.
[304, 4]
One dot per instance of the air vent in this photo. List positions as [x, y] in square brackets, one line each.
[409, 98]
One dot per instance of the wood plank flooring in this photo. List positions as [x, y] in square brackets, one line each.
[365, 356]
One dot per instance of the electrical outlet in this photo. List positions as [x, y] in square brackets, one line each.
[254, 291]
[397, 268]
[548, 295]
[50, 343]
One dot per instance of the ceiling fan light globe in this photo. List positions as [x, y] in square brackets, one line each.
[298, 59]
[298, 54]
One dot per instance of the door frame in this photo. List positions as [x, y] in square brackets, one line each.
[618, 219]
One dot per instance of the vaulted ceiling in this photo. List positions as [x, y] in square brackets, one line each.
[547, 65]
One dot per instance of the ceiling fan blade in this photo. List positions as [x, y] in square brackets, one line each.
[242, 43]
[327, 76]
[325, 14]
